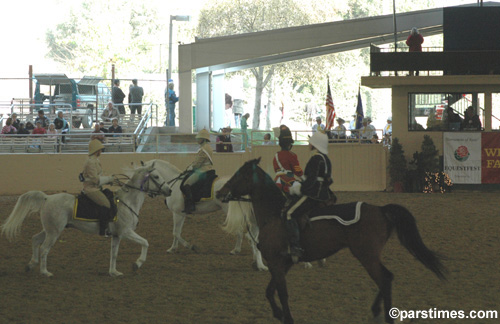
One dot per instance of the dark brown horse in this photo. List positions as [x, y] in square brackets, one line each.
[322, 238]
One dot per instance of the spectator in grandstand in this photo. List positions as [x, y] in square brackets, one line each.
[22, 130]
[367, 131]
[8, 128]
[267, 139]
[43, 119]
[98, 133]
[339, 132]
[318, 126]
[15, 121]
[224, 141]
[471, 120]
[39, 129]
[109, 113]
[60, 123]
[52, 132]
[115, 128]
[29, 126]
[103, 128]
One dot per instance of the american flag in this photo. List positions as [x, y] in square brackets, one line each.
[330, 109]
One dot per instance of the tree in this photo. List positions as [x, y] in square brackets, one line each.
[98, 32]
[229, 17]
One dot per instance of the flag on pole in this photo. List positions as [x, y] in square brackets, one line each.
[359, 111]
[330, 109]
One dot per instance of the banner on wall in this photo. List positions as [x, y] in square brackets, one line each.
[462, 157]
[490, 166]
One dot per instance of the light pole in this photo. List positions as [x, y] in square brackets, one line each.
[172, 18]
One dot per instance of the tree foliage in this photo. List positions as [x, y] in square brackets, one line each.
[99, 32]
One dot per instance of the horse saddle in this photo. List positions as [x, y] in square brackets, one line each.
[87, 210]
[345, 214]
[203, 189]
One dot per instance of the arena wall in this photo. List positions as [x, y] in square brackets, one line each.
[356, 167]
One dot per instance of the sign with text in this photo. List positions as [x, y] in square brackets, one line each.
[490, 165]
[462, 157]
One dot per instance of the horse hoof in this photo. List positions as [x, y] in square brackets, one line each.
[171, 251]
[47, 274]
[322, 263]
[27, 268]
[307, 265]
[195, 249]
[135, 267]
[115, 273]
[234, 252]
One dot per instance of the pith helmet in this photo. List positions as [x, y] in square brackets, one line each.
[320, 141]
[94, 146]
[203, 134]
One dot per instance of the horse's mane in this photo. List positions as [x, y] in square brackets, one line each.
[272, 192]
[167, 165]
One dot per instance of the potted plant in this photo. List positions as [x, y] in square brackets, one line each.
[397, 166]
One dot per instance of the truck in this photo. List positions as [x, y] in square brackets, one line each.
[87, 97]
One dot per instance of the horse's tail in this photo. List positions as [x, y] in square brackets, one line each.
[238, 214]
[30, 202]
[410, 238]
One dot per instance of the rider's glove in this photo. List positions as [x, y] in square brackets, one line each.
[295, 189]
[105, 180]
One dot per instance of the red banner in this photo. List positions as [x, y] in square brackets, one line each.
[490, 158]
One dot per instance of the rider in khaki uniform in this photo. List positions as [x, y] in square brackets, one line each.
[201, 164]
[93, 182]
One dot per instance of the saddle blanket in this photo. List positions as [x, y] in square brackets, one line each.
[345, 214]
[85, 209]
[203, 190]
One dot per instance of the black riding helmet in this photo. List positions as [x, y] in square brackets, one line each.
[285, 138]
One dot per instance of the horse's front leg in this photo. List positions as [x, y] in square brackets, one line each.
[257, 256]
[237, 247]
[133, 236]
[178, 224]
[279, 284]
[115, 245]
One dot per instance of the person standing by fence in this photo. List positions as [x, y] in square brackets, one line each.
[170, 100]
[136, 94]
[244, 127]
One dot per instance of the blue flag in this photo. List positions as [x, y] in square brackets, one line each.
[359, 111]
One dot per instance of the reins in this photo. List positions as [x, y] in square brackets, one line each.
[150, 193]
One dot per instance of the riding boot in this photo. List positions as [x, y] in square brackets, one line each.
[188, 200]
[293, 231]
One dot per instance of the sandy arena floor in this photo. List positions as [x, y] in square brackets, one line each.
[215, 287]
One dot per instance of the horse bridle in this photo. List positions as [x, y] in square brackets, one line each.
[150, 193]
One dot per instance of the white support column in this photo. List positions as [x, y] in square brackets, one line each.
[185, 103]
[185, 91]
[202, 100]
[219, 100]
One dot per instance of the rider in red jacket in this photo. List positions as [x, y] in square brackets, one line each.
[285, 163]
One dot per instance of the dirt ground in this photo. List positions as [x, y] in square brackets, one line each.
[215, 287]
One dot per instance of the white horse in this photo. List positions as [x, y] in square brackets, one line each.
[175, 203]
[56, 213]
